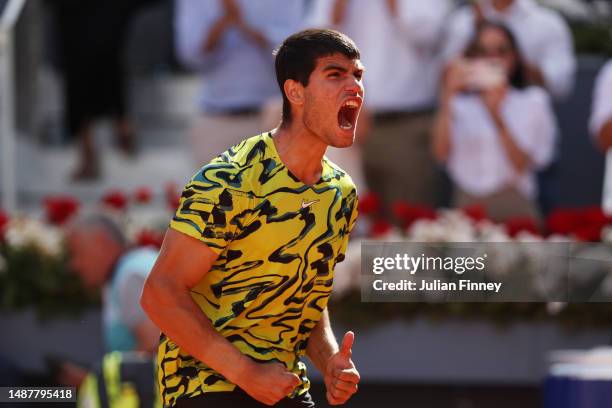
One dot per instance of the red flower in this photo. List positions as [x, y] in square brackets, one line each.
[475, 212]
[379, 228]
[148, 237]
[595, 216]
[563, 221]
[408, 213]
[4, 219]
[521, 224]
[584, 224]
[143, 195]
[588, 233]
[173, 196]
[115, 199]
[369, 203]
[60, 209]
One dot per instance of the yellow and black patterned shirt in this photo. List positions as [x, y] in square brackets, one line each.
[278, 241]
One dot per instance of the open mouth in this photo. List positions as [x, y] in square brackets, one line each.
[347, 115]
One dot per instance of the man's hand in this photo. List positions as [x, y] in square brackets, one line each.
[341, 376]
[268, 383]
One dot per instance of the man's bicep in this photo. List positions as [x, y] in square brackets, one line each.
[183, 259]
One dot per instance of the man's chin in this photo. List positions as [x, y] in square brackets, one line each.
[344, 139]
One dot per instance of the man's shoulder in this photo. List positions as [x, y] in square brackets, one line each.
[546, 19]
[462, 17]
[231, 168]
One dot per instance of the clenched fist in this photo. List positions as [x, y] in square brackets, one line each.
[268, 383]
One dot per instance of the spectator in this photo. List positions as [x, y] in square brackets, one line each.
[601, 127]
[99, 254]
[398, 40]
[230, 43]
[543, 37]
[493, 131]
[92, 35]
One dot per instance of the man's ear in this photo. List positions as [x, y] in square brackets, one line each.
[294, 91]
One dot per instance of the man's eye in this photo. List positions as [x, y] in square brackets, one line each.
[334, 75]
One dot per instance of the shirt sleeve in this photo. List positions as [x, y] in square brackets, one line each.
[601, 111]
[192, 22]
[318, 14]
[557, 60]
[421, 22]
[209, 210]
[458, 33]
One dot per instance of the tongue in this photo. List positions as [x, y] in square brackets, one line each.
[343, 119]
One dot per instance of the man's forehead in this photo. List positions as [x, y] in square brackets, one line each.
[338, 59]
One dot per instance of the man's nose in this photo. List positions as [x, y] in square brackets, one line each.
[354, 85]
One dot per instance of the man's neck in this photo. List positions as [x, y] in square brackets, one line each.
[300, 151]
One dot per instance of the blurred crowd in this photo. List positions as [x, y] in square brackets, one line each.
[459, 106]
[463, 94]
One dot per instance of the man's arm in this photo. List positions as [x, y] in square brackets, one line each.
[181, 264]
[604, 137]
[600, 123]
[557, 61]
[340, 375]
[322, 343]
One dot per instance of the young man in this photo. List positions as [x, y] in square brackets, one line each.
[241, 285]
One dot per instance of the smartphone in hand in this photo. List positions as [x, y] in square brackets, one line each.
[483, 74]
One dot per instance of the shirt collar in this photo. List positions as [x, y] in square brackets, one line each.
[327, 171]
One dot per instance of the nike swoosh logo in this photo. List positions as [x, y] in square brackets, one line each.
[306, 204]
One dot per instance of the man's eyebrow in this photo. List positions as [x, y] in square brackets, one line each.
[334, 67]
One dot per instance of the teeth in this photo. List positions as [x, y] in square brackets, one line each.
[351, 104]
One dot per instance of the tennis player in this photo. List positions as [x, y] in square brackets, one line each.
[241, 285]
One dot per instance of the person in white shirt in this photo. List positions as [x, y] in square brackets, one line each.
[543, 37]
[600, 126]
[230, 44]
[399, 42]
[492, 130]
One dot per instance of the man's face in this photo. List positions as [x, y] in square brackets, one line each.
[88, 257]
[333, 99]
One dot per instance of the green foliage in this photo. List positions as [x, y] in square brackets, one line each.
[33, 279]
[593, 38]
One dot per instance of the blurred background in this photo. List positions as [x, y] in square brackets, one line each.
[107, 108]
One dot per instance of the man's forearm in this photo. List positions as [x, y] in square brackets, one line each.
[178, 316]
[322, 343]
[604, 138]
